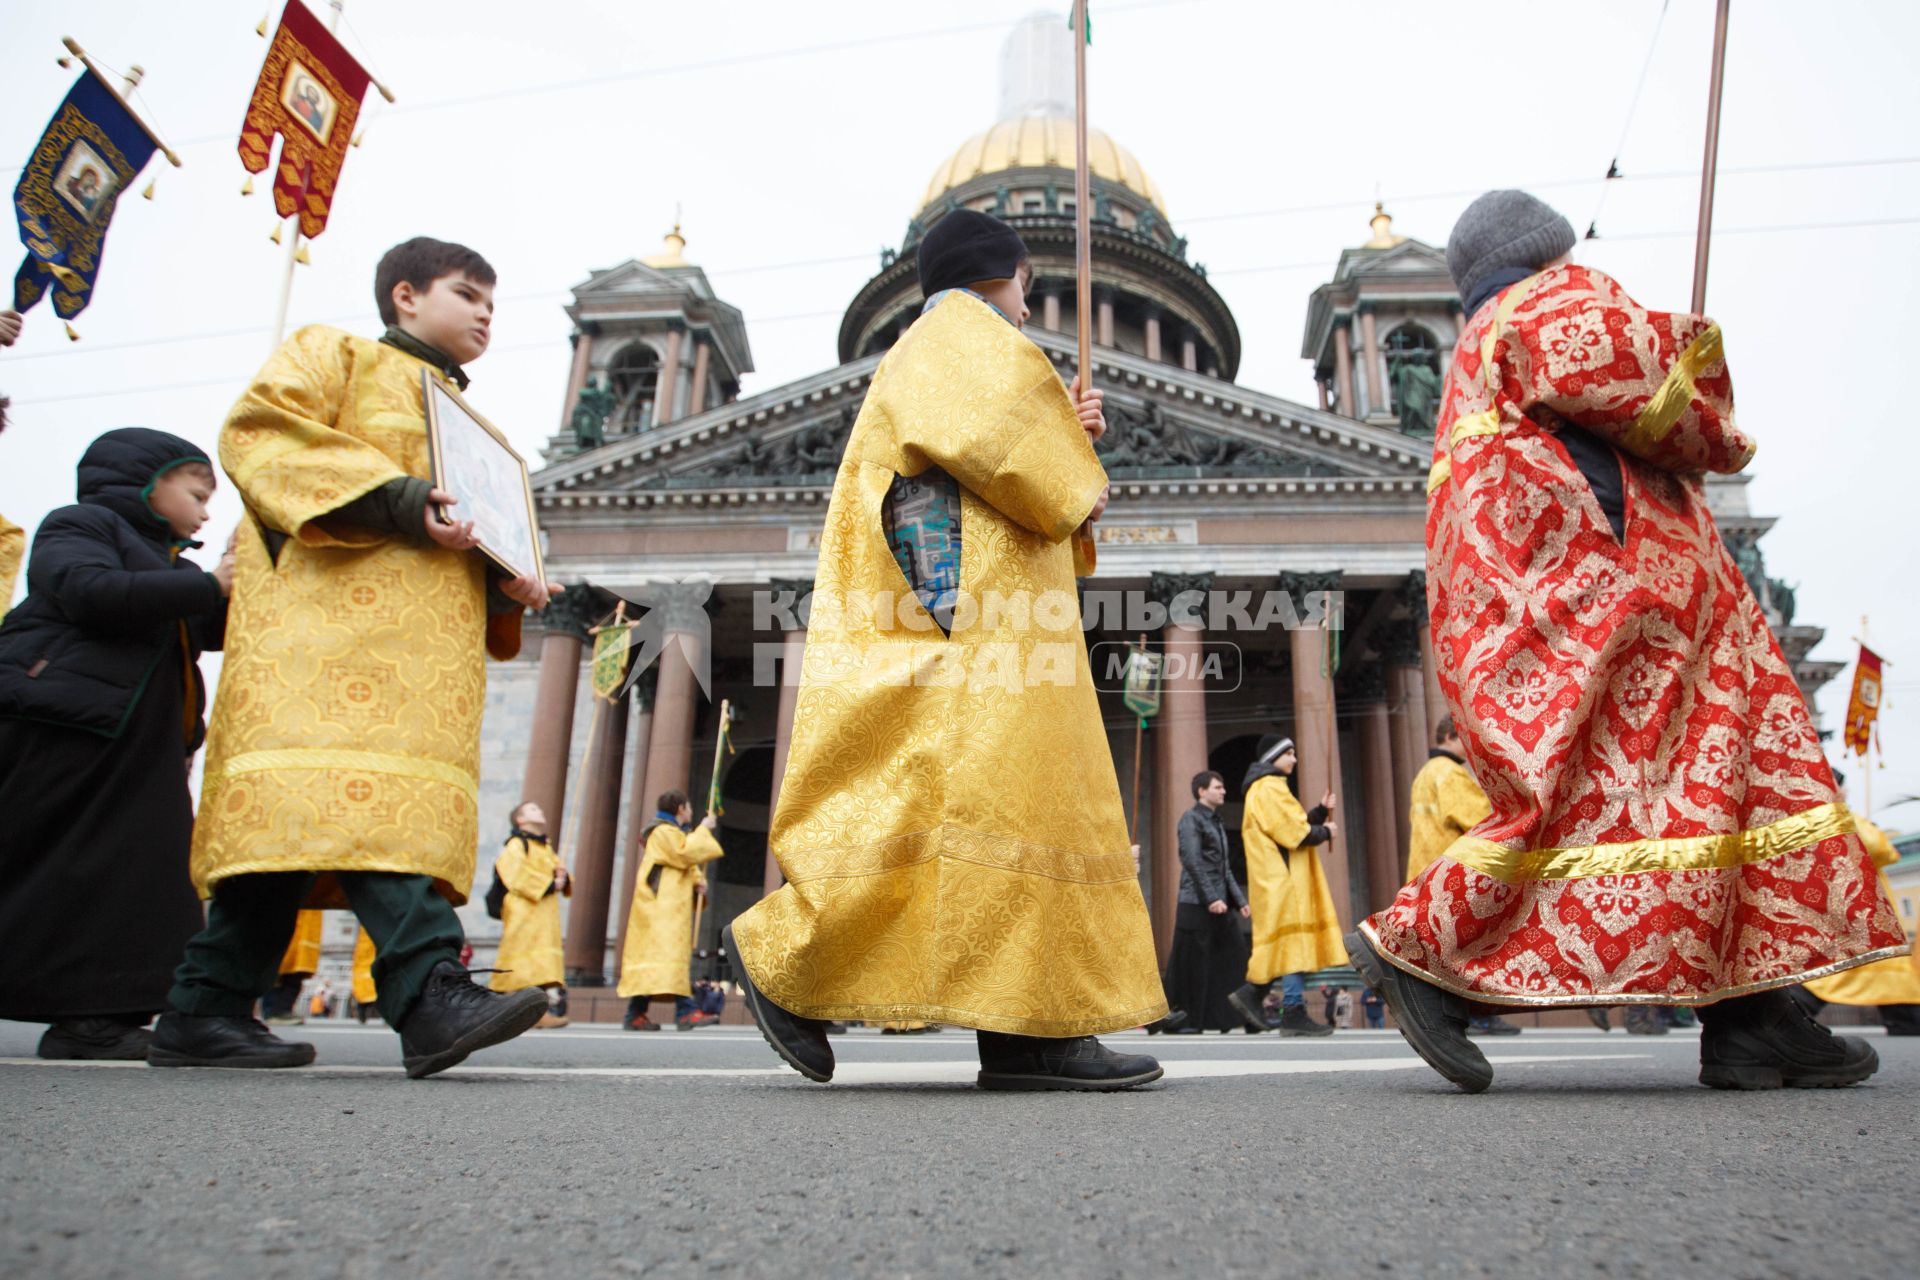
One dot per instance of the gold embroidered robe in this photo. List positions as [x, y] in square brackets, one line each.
[346, 732]
[1895, 980]
[530, 942]
[1446, 804]
[949, 824]
[303, 949]
[1295, 928]
[658, 957]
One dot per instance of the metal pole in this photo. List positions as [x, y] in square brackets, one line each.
[1082, 200]
[1709, 164]
[293, 237]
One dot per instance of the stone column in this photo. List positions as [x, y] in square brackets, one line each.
[1385, 854]
[1415, 589]
[702, 354]
[793, 647]
[1370, 350]
[1050, 313]
[566, 621]
[666, 387]
[1180, 741]
[1407, 705]
[1153, 335]
[1323, 395]
[1189, 354]
[640, 804]
[1104, 334]
[592, 860]
[577, 376]
[1315, 724]
[670, 743]
[1343, 369]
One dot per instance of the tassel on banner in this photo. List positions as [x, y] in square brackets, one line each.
[246, 188]
[359, 137]
[300, 256]
[147, 193]
[73, 335]
[261, 30]
[65, 63]
[275, 237]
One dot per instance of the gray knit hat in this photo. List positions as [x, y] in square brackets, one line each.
[1502, 230]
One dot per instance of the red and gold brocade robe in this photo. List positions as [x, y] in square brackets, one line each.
[1664, 829]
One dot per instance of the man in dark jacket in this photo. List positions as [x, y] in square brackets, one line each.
[1209, 951]
[100, 711]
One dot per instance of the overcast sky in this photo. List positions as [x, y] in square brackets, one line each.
[558, 138]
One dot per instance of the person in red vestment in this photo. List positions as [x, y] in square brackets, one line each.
[1665, 829]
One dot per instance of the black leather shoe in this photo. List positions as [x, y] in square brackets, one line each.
[1175, 1019]
[1767, 1041]
[1433, 1020]
[187, 1040]
[96, 1039]
[1901, 1019]
[1599, 1016]
[1246, 1002]
[1296, 1021]
[1030, 1063]
[456, 1016]
[1491, 1025]
[800, 1042]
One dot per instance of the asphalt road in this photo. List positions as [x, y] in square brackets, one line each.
[595, 1152]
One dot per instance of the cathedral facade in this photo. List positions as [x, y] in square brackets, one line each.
[1270, 553]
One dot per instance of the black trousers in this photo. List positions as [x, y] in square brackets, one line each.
[1209, 962]
[236, 959]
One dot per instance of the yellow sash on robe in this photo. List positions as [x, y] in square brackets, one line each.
[363, 988]
[1447, 803]
[1295, 929]
[530, 943]
[346, 732]
[303, 949]
[949, 823]
[658, 957]
[1895, 980]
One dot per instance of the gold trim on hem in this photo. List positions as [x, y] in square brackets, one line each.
[1589, 1001]
[1633, 857]
[352, 762]
[1675, 393]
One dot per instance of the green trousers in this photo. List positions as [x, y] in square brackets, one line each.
[236, 959]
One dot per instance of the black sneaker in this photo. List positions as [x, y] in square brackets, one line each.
[800, 1042]
[1246, 1002]
[456, 1016]
[1296, 1021]
[1491, 1025]
[189, 1040]
[1767, 1041]
[1901, 1019]
[1433, 1020]
[97, 1040]
[1032, 1063]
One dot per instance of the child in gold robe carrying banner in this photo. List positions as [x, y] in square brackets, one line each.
[949, 823]
[343, 756]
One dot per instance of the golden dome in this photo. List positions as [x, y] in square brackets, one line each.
[673, 251]
[1040, 142]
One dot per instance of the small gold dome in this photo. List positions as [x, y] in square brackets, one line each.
[1382, 225]
[1040, 142]
[672, 252]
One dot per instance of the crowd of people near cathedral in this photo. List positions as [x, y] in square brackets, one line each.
[1627, 792]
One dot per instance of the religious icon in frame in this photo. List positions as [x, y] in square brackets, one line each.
[473, 461]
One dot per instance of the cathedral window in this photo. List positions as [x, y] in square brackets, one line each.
[634, 374]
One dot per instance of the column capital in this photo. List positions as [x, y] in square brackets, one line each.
[1399, 640]
[1413, 593]
[1164, 588]
[569, 613]
[1300, 583]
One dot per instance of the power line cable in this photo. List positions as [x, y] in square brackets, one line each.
[1633, 107]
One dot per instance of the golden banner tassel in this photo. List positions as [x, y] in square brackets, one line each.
[359, 137]
[275, 237]
[261, 30]
[246, 188]
[73, 335]
[147, 194]
[65, 63]
[300, 256]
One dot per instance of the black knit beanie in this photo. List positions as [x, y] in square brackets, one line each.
[966, 246]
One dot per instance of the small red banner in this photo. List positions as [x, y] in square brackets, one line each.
[1864, 706]
[309, 93]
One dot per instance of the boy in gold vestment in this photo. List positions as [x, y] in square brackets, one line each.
[531, 952]
[949, 823]
[656, 963]
[343, 756]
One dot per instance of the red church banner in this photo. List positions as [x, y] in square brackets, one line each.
[1864, 706]
[309, 93]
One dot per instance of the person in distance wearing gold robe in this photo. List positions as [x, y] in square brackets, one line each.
[343, 758]
[949, 824]
[531, 950]
[1295, 930]
[280, 1007]
[1892, 985]
[657, 961]
[1446, 804]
